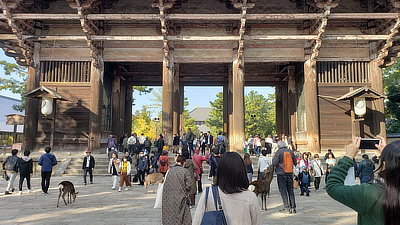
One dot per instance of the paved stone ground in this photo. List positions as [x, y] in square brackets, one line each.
[98, 204]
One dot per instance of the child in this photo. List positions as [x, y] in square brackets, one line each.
[304, 178]
[25, 166]
[124, 170]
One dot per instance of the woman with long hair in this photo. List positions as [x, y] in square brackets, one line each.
[376, 202]
[366, 169]
[249, 166]
[240, 205]
[113, 168]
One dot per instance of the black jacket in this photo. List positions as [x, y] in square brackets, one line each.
[25, 165]
[160, 145]
[10, 163]
[91, 162]
[147, 143]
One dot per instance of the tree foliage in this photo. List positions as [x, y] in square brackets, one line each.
[391, 85]
[262, 109]
[14, 81]
[141, 90]
[142, 123]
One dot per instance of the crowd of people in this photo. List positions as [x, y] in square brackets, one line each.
[376, 199]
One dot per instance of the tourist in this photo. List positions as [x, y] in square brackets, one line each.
[210, 141]
[192, 168]
[263, 163]
[125, 144]
[191, 138]
[111, 142]
[304, 179]
[250, 142]
[327, 154]
[128, 157]
[317, 167]
[113, 168]
[257, 145]
[88, 166]
[147, 144]
[131, 144]
[240, 205]
[214, 165]
[366, 169]
[153, 168]
[184, 141]
[198, 161]
[124, 171]
[164, 162]
[375, 202]
[249, 167]
[177, 184]
[226, 142]
[120, 145]
[220, 143]
[25, 167]
[284, 171]
[202, 143]
[330, 162]
[160, 145]
[305, 161]
[142, 138]
[143, 164]
[111, 152]
[10, 166]
[47, 161]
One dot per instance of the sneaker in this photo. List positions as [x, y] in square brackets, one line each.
[20, 192]
[84, 183]
[293, 210]
[317, 190]
[113, 188]
[45, 193]
[12, 190]
[119, 189]
[7, 193]
[91, 182]
[30, 190]
[126, 189]
[284, 210]
[308, 195]
[301, 194]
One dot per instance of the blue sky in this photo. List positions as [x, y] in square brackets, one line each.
[197, 96]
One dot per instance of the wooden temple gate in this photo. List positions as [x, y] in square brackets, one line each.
[94, 51]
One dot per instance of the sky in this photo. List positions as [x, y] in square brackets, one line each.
[197, 96]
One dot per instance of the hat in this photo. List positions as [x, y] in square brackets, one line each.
[303, 167]
[88, 151]
[196, 151]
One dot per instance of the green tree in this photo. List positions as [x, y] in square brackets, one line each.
[141, 90]
[262, 109]
[142, 123]
[215, 122]
[259, 114]
[391, 87]
[15, 81]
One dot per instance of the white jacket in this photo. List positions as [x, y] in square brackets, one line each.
[317, 166]
[131, 140]
[128, 167]
[116, 165]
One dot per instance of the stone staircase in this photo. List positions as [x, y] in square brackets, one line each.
[75, 166]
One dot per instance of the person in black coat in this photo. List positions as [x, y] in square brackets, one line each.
[88, 166]
[25, 167]
[160, 145]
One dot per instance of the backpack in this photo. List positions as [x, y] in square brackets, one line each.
[163, 162]
[287, 164]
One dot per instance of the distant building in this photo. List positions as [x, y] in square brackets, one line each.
[200, 115]
[6, 131]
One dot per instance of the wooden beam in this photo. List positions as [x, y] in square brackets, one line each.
[208, 17]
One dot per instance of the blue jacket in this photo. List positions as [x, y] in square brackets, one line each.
[47, 161]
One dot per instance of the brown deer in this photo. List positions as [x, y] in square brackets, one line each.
[153, 178]
[262, 187]
[67, 188]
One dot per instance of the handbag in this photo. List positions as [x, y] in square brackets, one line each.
[135, 178]
[158, 203]
[295, 183]
[216, 217]
[196, 175]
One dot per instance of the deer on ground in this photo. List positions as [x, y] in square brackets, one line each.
[153, 178]
[67, 188]
[262, 187]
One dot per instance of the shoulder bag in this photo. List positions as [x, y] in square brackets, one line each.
[216, 217]
[188, 201]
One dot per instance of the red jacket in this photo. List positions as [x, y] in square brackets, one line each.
[165, 168]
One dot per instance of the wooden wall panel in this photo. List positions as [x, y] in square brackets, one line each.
[72, 124]
[335, 117]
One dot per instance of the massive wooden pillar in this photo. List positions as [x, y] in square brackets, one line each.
[128, 110]
[176, 102]
[279, 111]
[225, 114]
[292, 103]
[238, 107]
[116, 122]
[229, 103]
[168, 89]
[96, 102]
[311, 100]
[181, 109]
[375, 77]
[31, 105]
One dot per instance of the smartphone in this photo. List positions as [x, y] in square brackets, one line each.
[369, 143]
